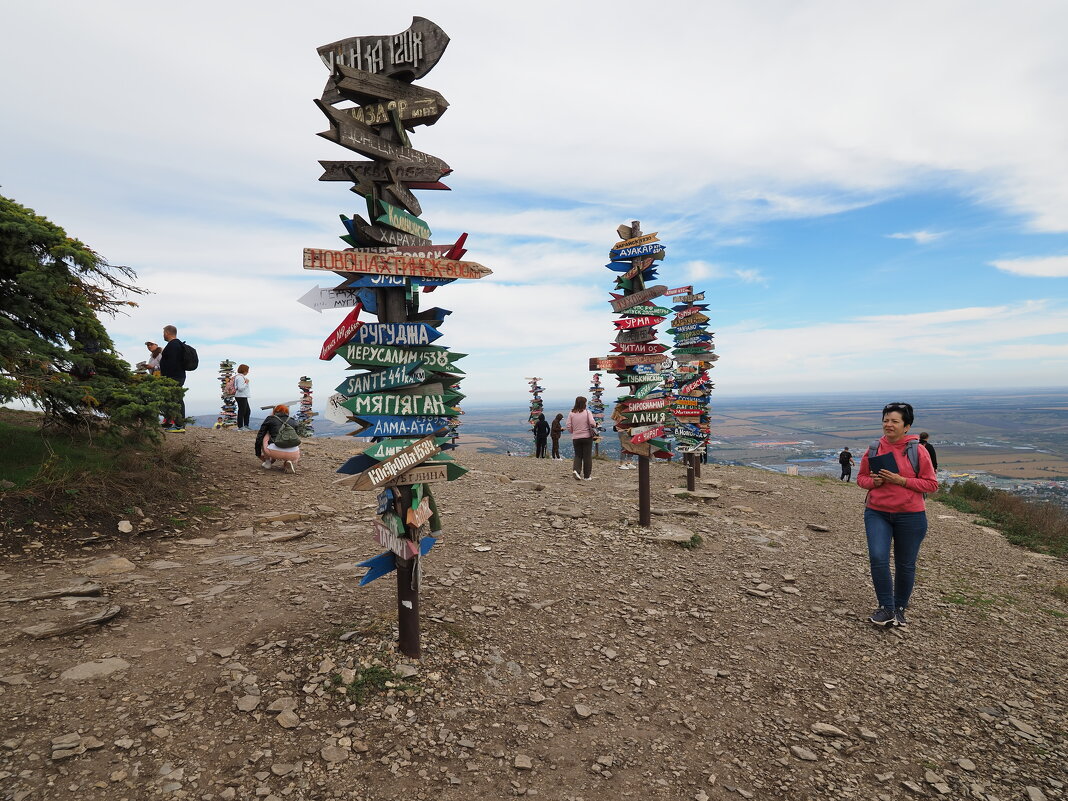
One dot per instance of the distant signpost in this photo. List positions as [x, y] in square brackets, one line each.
[407, 400]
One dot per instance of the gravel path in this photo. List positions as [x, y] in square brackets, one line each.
[567, 653]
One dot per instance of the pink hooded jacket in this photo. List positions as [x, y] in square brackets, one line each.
[891, 497]
[581, 424]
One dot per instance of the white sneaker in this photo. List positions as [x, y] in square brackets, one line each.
[588, 478]
[576, 474]
[289, 467]
[266, 464]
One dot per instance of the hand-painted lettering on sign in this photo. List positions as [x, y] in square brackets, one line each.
[401, 376]
[395, 334]
[391, 264]
[391, 467]
[432, 358]
[430, 405]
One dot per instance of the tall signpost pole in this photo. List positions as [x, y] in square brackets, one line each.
[641, 413]
[406, 400]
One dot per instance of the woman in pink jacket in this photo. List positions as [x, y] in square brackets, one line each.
[582, 426]
[895, 513]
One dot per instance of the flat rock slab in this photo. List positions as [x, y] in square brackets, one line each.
[82, 587]
[669, 532]
[109, 566]
[702, 495]
[530, 485]
[57, 628]
[96, 669]
[572, 512]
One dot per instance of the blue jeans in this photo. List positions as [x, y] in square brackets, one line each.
[906, 531]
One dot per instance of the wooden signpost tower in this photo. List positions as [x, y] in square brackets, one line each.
[409, 394]
[693, 355]
[642, 412]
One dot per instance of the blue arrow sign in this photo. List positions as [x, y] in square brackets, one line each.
[369, 281]
[636, 251]
[400, 426]
[395, 334]
[386, 563]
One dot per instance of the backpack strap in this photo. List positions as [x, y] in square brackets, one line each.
[873, 449]
[912, 452]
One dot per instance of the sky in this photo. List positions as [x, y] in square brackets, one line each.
[873, 196]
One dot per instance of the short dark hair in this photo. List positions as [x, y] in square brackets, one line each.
[904, 409]
[170, 329]
[924, 435]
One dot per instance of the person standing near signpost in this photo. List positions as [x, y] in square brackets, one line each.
[172, 366]
[541, 437]
[926, 443]
[582, 427]
[241, 395]
[555, 432]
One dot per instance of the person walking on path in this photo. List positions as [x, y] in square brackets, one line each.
[555, 432]
[845, 458]
[895, 514]
[172, 365]
[581, 425]
[925, 441]
[541, 437]
[241, 395]
[272, 444]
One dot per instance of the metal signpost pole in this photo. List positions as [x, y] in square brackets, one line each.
[406, 400]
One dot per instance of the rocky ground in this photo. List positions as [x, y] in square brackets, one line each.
[567, 654]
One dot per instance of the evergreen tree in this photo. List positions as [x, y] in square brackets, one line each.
[54, 350]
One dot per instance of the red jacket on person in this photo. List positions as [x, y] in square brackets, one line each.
[890, 497]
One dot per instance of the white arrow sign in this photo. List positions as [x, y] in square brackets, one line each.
[320, 299]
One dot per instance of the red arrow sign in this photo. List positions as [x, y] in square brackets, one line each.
[647, 435]
[342, 334]
[638, 322]
[627, 347]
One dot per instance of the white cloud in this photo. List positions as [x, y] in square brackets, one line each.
[919, 237]
[699, 270]
[1042, 267]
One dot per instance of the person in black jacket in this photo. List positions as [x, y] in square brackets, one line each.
[267, 447]
[172, 365]
[541, 437]
[924, 436]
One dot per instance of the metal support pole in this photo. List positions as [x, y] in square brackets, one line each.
[691, 484]
[645, 515]
[392, 308]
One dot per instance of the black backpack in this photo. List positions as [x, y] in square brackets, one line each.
[190, 360]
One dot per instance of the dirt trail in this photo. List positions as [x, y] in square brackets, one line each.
[566, 655]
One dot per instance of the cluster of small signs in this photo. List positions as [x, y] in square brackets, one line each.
[597, 404]
[409, 394]
[643, 411]
[536, 405]
[693, 356]
[305, 413]
[228, 413]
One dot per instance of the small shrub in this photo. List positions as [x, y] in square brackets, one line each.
[1040, 527]
[694, 542]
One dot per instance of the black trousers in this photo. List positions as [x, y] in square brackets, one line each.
[539, 447]
[244, 412]
[583, 461]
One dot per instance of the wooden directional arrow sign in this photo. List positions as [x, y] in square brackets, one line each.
[644, 310]
[651, 347]
[410, 54]
[621, 302]
[679, 290]
[353, 134]
[636, 251]
[638, 240]
[640, 266]
[403, 547]
[416, 176]
[432, 358]
[320, 299]
[691, 298]
[395, 334]
[636, 335]
[644, 405]
[390, 426]
[426, 474]
[402, 220]
[693, 319]
[391, 264]
[401, 376]
[389, 468]
[349, 326]
[636, 378]
[431, 405]
[647, 434]
[383, 235]
[638, 322]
